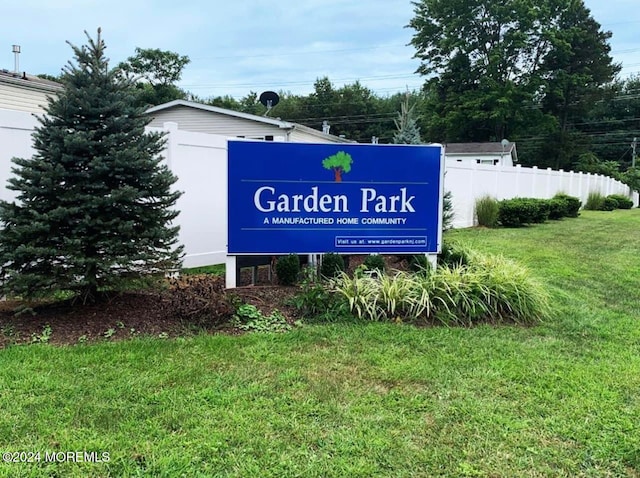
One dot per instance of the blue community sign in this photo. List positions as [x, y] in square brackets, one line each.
[345, 198]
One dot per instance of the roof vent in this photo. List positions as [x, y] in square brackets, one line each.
[16, 53]
[326, 127]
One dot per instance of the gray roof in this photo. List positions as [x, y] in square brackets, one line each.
[29, 81]
[474, 148]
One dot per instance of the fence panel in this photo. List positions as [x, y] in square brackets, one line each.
[470, 182]
[200, 162]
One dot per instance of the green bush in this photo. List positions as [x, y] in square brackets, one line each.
[318, 303]
[572, 204]
[518, 212]
[419, 263]
[250, 319]
[609, 204]
[557, 208]
[447, 211]
[374, 262]
[453, 255]
[623, 201]
[288, 269]
[540, 210]
[332, 265]
[487, 211]
[595, 201]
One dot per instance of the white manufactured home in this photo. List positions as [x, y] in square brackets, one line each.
[492, 153]
[22, 92]
[201, 118]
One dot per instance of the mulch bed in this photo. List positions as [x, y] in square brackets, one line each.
[133, 314]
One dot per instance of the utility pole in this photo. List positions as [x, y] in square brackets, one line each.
[633, 157]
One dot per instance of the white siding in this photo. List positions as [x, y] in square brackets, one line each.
[200, 121]
[16, 128]
[472, 158]
[298, 136]
[18, 98]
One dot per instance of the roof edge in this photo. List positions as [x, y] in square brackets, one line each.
[31, 84]
[215, 109]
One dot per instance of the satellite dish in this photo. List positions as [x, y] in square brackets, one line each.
[269, 99]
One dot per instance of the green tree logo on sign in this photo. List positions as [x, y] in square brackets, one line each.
[340, 163]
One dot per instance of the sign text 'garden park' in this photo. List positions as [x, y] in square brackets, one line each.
[345, 198]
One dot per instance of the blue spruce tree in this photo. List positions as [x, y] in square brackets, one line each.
[95, 204]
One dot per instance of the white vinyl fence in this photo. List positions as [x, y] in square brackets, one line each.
[468, 182]
[199, 161]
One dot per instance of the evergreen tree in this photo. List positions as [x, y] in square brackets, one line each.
[407, 125]
[95, 202]
[409, 133]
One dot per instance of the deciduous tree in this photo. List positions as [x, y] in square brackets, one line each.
[156, 73]
[516, 68]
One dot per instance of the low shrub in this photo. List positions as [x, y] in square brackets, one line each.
[609, 204]
[487, 210]
[453, 255]
[288, 269]
[250, 319]
[572, 204]
[595, 201]
[557, 208]
[540, 210]
[623, 201]
[518, 212]
[512, 213]
[332, 265]
[419, 263]
[317, 302]
[374, 262]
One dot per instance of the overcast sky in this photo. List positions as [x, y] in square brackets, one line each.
[256, 45]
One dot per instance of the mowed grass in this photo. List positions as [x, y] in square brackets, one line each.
[559, 399]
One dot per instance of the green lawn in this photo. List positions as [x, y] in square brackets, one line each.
[559, 399]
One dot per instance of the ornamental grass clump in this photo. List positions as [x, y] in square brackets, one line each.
[487, 289]
[487, 211]
[513, 293]
[595, 201]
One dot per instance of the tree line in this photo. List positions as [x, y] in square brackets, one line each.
[538, 73]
